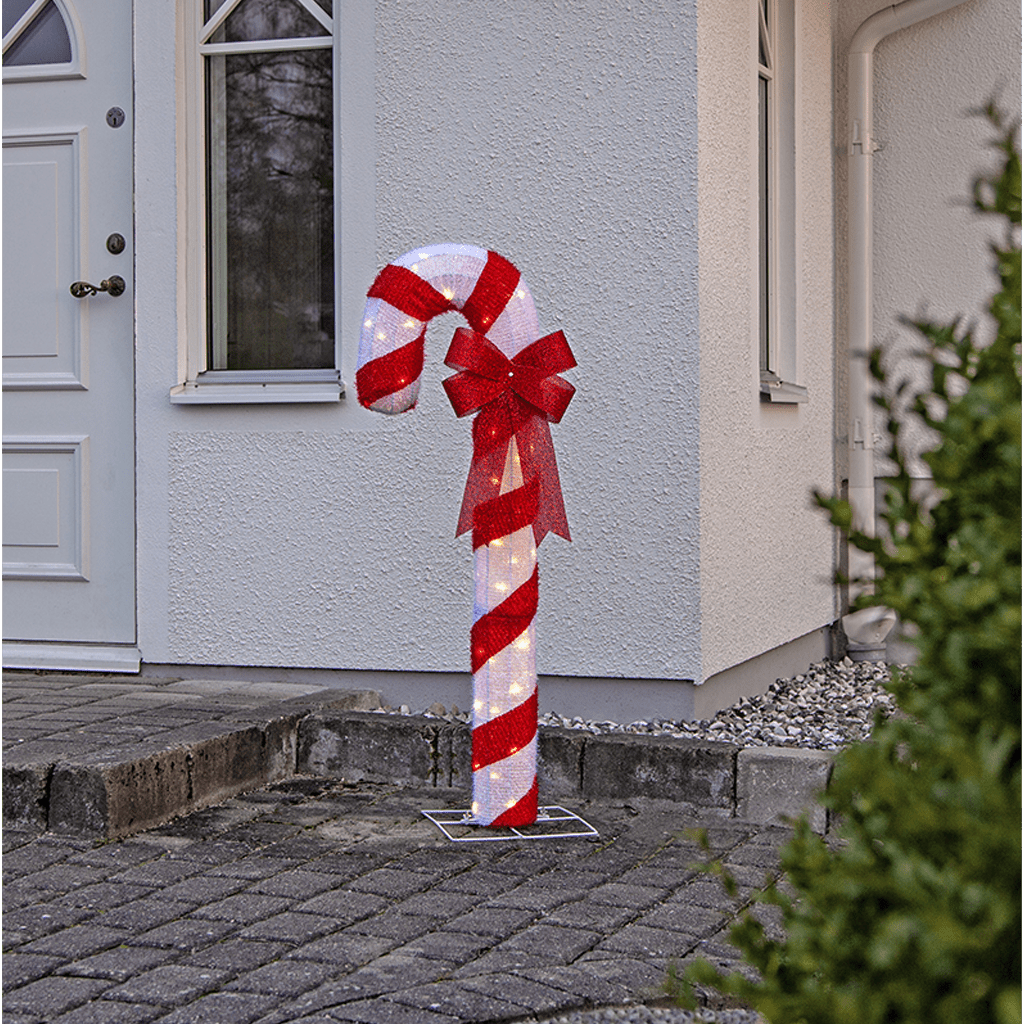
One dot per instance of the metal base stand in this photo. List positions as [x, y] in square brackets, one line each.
[552, 823]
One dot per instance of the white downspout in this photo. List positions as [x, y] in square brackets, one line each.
[866, 630]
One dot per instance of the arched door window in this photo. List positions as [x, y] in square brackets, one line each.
[40, 40]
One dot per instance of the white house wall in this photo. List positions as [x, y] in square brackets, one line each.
[766, 553]
[931, 249]
[322, 535]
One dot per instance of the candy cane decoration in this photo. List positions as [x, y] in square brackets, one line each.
[507, 374]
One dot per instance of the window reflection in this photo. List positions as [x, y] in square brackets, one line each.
[270, 196]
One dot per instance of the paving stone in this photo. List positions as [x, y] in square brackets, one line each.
[493, 922]
[188, 934]
[344, 905]
[222, 1008]
[458, 947]
[499, 961]
[620, 895]
[160, 874]
[202, 891]
[344, 948]
[146, 914]
[254, 867]
[384, 1011]
[442, 862]
[480, 883]
[531, 995]
[170, 985]
[444, 905]
[643, 980]
[29, 923]
[284, 978]
[236, 955]
[532, 896]
[21, 968]
[643, 942]
[558, 945]
[243, 908]
[79, 941]
[655, 876]
[391, 882]
[596, 916]
[117, 964]
[454, 999]
[106, 1011]
[590, 989]
[291, 927]
[49, 997]
[64, 877]
[392, 925]
[296, 884]
[105, 895]
[678, 917]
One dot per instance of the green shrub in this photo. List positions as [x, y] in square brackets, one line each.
[911, 911]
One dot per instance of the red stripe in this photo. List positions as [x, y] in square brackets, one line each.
[390, 373]
[505, 735]
[496, 629]
[500, 516]
[523, 813]
[409, 293]
[494, 287]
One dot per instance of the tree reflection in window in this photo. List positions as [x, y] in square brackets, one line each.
[270, 191]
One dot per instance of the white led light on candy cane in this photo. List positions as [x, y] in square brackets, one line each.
[509, 377]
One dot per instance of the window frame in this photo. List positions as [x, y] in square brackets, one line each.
[775, 148]
[201, 384]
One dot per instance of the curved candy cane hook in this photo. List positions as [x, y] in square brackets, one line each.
[512, 498]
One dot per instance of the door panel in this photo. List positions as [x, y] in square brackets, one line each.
[68, 363]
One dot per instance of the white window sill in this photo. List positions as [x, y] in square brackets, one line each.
[223, 387]
[779, 392]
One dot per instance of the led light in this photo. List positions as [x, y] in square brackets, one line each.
[501, 585]
[498, 542]
[476, 807]
[510, 804]
[447, 293]
[515, 688]
[495, 709]
[381, 336]
[410, 323]
[523, 643]
[367, 323]
[495, 775]
[520, 294]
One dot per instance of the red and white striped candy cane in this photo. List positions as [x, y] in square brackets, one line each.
[508, 375]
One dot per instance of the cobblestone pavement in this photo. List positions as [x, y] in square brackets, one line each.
[314, 901]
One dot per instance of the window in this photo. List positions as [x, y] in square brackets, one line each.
[261, 156]
[776, 131]
[37, 41]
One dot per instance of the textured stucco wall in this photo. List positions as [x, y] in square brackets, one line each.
[930, 249]
[563, 136]
[766, 555]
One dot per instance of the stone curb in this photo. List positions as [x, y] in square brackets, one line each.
[127, 789]
[759, 784]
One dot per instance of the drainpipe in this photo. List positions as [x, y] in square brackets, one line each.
[867, 629]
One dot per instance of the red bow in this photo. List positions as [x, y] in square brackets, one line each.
[517, 398]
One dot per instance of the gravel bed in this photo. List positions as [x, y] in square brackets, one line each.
[829, 706]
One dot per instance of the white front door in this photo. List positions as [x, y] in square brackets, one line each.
[68, 362]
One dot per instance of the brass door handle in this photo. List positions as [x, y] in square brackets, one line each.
[113, 285]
